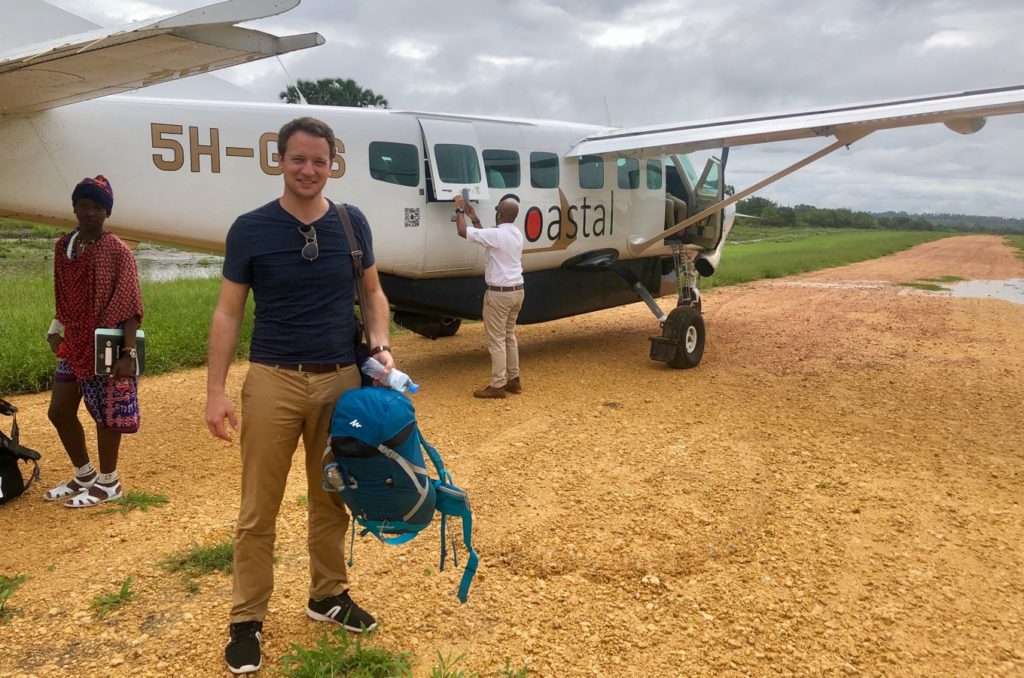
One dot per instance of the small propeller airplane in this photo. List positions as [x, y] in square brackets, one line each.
[609, 215]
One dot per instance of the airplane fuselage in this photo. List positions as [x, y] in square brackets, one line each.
[182, 171]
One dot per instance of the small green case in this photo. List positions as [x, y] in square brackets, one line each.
[108, 350]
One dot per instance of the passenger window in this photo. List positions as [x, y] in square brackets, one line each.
[457, 164]
[654, 174]
[591, 171]
[395, 163]
[501, 168]
[543, 170]
[629, 172]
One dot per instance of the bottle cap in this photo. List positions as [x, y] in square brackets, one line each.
[413, 388]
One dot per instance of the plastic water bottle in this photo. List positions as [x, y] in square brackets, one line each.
[395, 379]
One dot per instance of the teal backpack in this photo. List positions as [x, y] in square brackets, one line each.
[374, 460]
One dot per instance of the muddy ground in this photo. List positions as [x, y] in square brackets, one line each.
[835, 490]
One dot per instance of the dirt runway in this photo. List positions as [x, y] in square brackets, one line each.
[835, 490]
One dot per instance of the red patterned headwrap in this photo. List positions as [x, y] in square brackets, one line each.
[98, 190]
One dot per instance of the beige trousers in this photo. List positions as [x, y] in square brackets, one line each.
[277, 407]
[500, 312]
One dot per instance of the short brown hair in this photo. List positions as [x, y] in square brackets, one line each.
[311, 126]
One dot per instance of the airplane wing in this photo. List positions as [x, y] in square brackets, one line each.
[963, 112]
[111, 60]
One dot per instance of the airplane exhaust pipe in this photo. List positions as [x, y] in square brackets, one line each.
[707, 264]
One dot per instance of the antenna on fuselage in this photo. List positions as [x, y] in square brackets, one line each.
[607, 115]
[293, 82]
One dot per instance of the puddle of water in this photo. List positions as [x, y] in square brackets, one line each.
[1008, 290]
[156, 264]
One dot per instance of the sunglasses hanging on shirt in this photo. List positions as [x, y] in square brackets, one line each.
[310, 251]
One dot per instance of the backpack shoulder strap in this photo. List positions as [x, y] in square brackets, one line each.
[357, 264]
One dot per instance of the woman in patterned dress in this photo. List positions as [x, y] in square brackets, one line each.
[96, 284]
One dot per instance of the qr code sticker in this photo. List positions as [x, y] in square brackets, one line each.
[412, 217]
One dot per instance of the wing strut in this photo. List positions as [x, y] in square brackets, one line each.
[638, 243]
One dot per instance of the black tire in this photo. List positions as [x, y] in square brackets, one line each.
[449, 326]
[685, 325]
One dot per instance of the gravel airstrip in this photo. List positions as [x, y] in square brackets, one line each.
[836, 489]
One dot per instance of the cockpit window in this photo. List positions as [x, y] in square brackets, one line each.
[654, 174]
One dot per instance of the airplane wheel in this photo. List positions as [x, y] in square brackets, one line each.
[449, 326]
[685, 325]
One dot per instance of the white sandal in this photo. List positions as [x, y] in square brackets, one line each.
[65, 490]
[86, 499]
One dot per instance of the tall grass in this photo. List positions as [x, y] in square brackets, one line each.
[176, 322]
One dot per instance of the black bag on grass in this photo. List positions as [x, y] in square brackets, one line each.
[12, 454]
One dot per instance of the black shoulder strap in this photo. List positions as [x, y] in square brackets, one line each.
[357, 264]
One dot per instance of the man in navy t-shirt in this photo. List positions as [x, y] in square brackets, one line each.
[294, 256]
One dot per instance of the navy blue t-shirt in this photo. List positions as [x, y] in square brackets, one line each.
[304, 309]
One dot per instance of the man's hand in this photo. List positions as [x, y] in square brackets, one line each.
[54, 340]
[471, 212]
[459, 203]
[388, 361]
[219, 408]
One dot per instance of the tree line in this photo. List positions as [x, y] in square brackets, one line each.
[771, 213]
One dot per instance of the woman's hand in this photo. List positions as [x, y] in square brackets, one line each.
[54, 340]
[124, 367]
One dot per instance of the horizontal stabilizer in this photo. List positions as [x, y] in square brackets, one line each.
[112, 60]
[961, 111]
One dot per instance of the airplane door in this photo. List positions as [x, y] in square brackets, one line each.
[453, 153]
[708, 190]
[454, 162]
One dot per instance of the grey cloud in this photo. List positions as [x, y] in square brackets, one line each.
[725, 59]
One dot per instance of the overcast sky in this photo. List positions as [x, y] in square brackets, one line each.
[670, 61]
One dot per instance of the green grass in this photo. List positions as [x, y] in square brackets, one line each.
[928, 287]
[1018, 242]
[509, 672]
[446, 667]
[135, 499]
[8, 585]
[779, 258]
[103, 605]
[197, 561]
[336, 654]
[943, 279]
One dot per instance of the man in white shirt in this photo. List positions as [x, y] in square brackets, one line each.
[503, 274]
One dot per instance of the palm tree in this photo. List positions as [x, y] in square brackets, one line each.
[334, 92]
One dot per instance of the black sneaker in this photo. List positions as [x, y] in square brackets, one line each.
[243, 651]
[341, 610]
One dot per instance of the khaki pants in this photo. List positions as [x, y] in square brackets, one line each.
[277, 407]
[500, 312]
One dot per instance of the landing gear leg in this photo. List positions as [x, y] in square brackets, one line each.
[687, 276]
[681, 344]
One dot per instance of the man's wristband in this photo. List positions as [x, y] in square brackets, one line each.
[380, 349]
[475, 221]
[459, 210]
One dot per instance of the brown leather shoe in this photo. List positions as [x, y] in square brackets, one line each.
[514, 386]
[489, 392]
